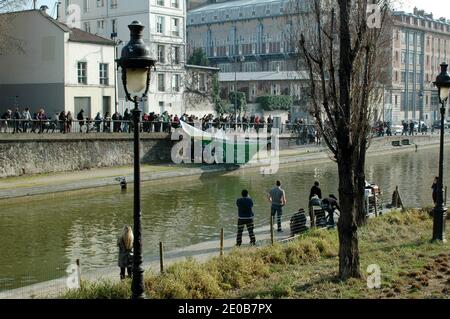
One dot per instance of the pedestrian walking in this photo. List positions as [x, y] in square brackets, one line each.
[80, 118]
[277, 197]
[245, 218]
[17, 116]
[125, 244]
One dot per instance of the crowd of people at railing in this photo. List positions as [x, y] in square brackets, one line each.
[18, 121]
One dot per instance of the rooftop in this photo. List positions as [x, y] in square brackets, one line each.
[264, 76]
[75, 35]
[233, 4]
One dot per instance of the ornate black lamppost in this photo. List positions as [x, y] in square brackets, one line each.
[440, 210]
[136, 64]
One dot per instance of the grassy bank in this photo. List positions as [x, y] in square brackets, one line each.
[411, 267]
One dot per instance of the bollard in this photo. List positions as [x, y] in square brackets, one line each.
[376, 205]
[79, 272]
[161, 256]
[396, 197]
[272, 237]
[221, 242]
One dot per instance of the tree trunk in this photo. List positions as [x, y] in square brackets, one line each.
[360, 183]
[348, 229]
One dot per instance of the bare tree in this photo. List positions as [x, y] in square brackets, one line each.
[7, 9]
[345, 59]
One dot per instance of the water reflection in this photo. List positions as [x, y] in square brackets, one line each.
[39, 238]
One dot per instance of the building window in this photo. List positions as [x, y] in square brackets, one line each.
[175, 3]
[86, 5]
[403, 57]
[161, 54]
[113, 4]
[104, 78]
[160, 3]
[100, 25]
[403, 37]
[160, 24]
[175, 27]
[161, 83]
[114, 26]
[87, 27]
[176, 55]
[100, 3]
[176, 83]
[82, 72]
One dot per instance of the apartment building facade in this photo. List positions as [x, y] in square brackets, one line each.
[165, 31]
[59, 68]
[250, 42]
[420, 43]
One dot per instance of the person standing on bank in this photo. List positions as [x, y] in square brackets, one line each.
[245, 218]
[315, 190]
[434, 187]
[277, 197]
[125, 243]
[330, 204]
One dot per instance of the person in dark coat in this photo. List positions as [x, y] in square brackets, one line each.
[330, 205]
[245, 218]
[434, 187]
[315, 190]
[125, 244]
[80, 118]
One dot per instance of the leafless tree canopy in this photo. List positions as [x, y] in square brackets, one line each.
[8, 43]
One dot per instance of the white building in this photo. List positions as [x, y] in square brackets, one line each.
[56, 67]
[165, 31]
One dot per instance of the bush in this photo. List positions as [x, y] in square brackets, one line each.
[101, 290]
[241, 100]
[275, 102]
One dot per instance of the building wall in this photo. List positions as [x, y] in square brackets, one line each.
[145, 11]
[419, 45]
[93, 55]
[35, 72]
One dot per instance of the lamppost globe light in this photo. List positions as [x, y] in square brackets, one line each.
[443, 82]
[136, 63]
[136, 80]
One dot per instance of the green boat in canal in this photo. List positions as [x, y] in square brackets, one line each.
[227, 147]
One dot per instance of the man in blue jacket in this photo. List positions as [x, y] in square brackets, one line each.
[245, 218]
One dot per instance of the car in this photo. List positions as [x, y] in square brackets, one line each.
[396, 129]
[437, 125]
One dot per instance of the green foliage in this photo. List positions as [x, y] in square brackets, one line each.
[241, 100]
[198, 57]
[275, 102]
[101, 290]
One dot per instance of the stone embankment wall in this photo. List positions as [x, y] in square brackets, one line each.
[31, 154]
[38, 154]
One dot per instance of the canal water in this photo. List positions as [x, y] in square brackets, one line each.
[39, 238]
